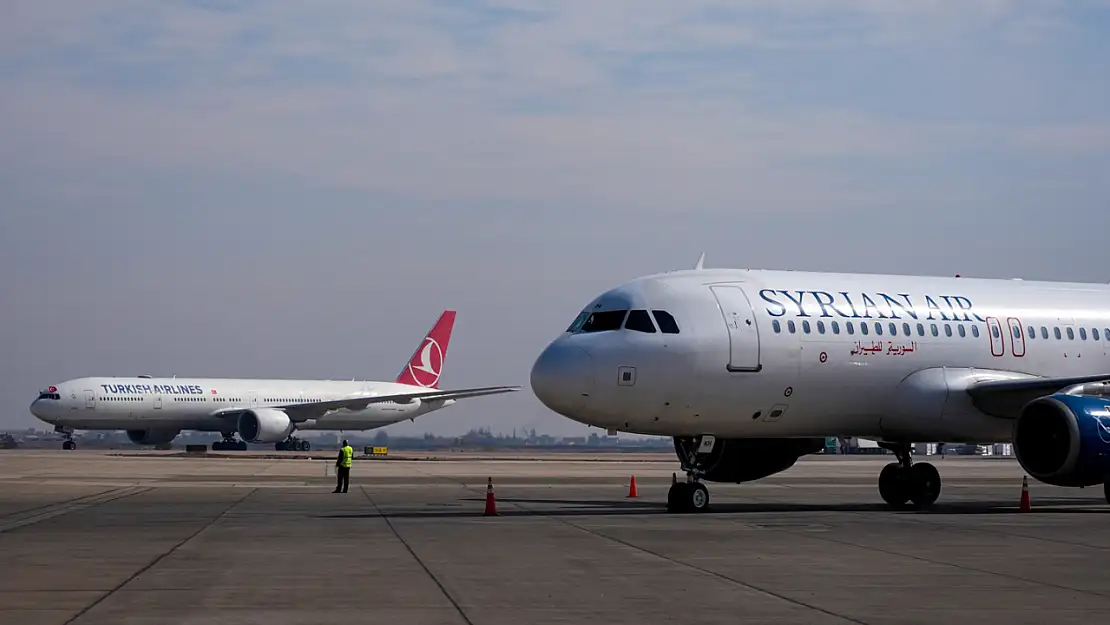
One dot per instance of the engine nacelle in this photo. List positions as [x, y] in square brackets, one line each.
[738, 460]
[264, 425]
[1064, 439]
[152, 437]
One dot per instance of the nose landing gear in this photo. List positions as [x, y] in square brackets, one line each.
[68, 443]
[691, 495]
[901, 482]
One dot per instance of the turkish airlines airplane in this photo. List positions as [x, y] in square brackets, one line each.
[154, 410]
[748, 370]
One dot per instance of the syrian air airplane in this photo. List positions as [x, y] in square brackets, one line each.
[154, 410]
[748, 370]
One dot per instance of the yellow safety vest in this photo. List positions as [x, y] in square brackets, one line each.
[348, 456]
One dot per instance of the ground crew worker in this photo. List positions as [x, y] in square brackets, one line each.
[343, 467]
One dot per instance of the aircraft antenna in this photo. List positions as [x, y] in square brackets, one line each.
[701, 262]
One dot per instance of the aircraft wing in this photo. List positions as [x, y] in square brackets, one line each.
[1005, 398]
[311, 410]
[315, 409]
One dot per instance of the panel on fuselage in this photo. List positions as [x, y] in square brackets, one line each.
[743, 331]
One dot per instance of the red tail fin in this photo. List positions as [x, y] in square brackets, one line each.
[426, 364]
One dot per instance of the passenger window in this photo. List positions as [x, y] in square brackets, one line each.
[1056, 331]
[920, 330]
[1094, 334]
[863, 327]
[1030, 332]
[776, 326]
[963, 332]
[604, 321]
[975, 331]
[1083, 333]
[947, 330]
[1071, 334]
[835, 327]
[805, 326]
[851, 327]
[1016, 331]
[893, 329]
[821, 327]
[639, 321]
[878, 328]
[906, 329]
[667, 324]
[934, 329]
[995, 332]
[1044, 333]
[790, 326]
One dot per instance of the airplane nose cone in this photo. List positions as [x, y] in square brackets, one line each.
[563, 378]
[36, 408]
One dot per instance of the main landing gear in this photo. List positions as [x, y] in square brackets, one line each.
[229, 443]
[691, 495]
[67, 433]
[293, 444]
[904, 481]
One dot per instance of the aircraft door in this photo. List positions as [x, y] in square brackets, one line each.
[997, 337]
[743, 333]
[253, 399]
[1017, 337]
[157, 402]
[90, 400]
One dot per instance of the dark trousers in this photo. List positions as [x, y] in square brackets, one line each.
[342, 478]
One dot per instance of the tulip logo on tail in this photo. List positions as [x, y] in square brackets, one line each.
[426, 365]
[426, 372]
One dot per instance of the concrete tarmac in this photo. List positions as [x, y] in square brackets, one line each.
[94, 538]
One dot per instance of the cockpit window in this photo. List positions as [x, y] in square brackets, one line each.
[667, 324]
[576, 325]
[604, 321]
[49, 396]
[639, 321]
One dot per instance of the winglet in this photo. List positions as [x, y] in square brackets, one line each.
[426, 365]
[701, 262]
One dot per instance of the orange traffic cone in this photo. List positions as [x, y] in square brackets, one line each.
[491, 504]
[1024, 506]
[632, 487]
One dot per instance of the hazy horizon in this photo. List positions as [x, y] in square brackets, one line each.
[277, 189]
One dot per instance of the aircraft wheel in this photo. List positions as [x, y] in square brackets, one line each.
[678, 497]
[241, 446]
[218, 446]
[280, 446]
[926, 484]
[305, 446]
[699, 497]
[69, 445]
[893, 485]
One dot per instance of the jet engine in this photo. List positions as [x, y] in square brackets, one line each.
[738, 460]
[1064, 439]
[264, 425]
[151, 437]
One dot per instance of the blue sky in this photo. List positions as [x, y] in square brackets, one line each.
[294, 189]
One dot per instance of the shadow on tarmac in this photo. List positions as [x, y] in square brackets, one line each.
[474, 506]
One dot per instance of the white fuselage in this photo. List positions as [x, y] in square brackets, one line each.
[212, 404]
[766, 354]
